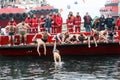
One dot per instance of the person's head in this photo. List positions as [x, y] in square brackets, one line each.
[110, 16]
[45, 31]
[11, 20]
[28, 16]
[66, 33]
[34, 16]
[54, 13]
[81, 34]
[50, 14]
[69, 17]
[42, 17]
[71, 13]
[23, 22]
[59, 14]
[119, 15]
[87, 14]
[77, 14]
[74, 36]
[47, 16]
[102, 16]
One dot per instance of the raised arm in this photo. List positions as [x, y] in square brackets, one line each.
[54, 46]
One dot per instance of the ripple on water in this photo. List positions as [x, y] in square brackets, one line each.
[73, 68]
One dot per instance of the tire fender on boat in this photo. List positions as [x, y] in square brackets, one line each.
[24, 15]
[4, 16]
[17, 16]
[11, 15]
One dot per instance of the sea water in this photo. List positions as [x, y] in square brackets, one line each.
[71, 68]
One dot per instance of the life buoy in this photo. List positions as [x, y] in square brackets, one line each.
[17, 16]
[4, 16]
[11, 15]
[24, 15]
[47, 11]
[42, 11]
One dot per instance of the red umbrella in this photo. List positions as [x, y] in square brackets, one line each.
[44, 8]
[12, 10]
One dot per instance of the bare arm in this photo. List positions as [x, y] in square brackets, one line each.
[54, 46]
[34, 37]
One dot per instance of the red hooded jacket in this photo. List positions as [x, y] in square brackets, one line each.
[118, 22]
[34, 22]
[77, 21]
[28, 21]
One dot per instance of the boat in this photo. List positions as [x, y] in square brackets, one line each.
[65, 49]
[111, 7]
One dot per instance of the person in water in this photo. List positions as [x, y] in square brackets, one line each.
[56, 54]
[41, 41]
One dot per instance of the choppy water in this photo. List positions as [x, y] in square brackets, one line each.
[73, 68]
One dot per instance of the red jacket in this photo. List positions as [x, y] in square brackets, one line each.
[77, 21]
[59, 20]
[42, 22]
[34, 22]
[54, 20]
[69, 22]
[118, 22]
[28, 21]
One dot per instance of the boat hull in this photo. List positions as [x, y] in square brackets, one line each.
[65, 49]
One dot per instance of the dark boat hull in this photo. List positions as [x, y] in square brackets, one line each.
[65, 49]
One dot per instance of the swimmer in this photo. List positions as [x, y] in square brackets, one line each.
[56, 55]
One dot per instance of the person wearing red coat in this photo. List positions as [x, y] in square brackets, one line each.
[28, 20]
[77, 22]
[118, 23]
[70, 24]
[34, 23]
[42, 24]
[59, 23]
[54, 23]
